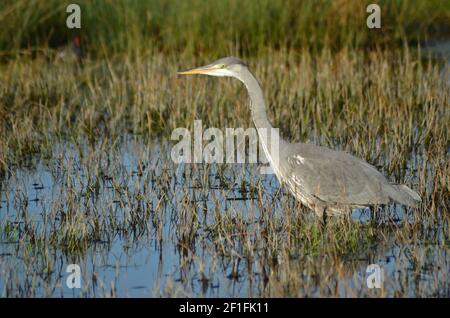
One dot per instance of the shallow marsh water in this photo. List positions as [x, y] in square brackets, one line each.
[139, 225]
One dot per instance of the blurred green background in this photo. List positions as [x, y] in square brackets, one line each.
[217, 26]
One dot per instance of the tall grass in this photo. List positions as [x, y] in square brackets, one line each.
[214, 27]
[381, 105]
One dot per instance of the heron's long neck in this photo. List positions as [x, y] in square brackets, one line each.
[257, 105]
[268, 136]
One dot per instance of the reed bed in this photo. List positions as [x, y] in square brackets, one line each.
[213, 27]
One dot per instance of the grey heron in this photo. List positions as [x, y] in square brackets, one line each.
[327, 181]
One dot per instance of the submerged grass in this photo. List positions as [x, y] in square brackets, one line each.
[269, 245]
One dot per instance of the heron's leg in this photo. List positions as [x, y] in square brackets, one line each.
[319, 209]
[322, 220]
[321, 212]
[324, 217]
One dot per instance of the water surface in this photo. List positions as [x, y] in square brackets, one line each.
[152, 228]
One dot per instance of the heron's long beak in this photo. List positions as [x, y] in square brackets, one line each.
[198, 70]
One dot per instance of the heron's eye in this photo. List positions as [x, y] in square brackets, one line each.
[222, 66]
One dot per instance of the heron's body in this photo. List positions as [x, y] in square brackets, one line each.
[336, 182]
[327, 181]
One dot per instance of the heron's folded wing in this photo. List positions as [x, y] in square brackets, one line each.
[338, 177]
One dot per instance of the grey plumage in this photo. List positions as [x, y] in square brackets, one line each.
[337, 181]
[327, 181]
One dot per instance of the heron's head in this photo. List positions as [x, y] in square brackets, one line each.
[227, 66]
